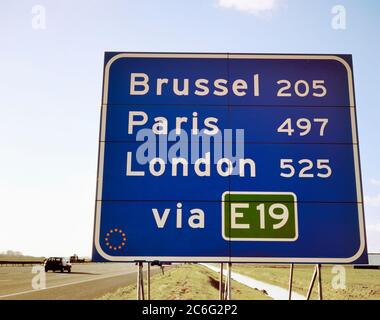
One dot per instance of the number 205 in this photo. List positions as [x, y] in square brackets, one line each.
[306, 165]
[302, 88]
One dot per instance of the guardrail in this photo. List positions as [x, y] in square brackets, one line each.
[11, 263]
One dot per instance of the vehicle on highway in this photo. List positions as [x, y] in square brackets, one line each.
[57, 264]
[156, 263]
[159, 263]
[75, 259]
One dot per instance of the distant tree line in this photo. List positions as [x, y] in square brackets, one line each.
[12, 253]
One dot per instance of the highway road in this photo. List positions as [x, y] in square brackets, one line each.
[86, 281]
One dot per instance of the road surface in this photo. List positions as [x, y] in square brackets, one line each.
[86, 281]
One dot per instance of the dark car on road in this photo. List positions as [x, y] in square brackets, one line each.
[156, 263]
[57, 264]
[159, 263]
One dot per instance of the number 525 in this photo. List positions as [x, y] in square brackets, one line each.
[305, 167]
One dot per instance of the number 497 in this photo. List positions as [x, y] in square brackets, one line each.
[304, 126]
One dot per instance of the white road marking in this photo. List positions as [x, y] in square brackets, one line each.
[275, 292]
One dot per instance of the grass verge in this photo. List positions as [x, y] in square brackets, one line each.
[187, 282]
[360, 283]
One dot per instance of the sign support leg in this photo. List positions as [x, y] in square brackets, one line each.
[148, 281]
[312, 283]
[140, 282]
[227, 290]
[221, 291]
[319, 267]
[291, 281]
[229, 281]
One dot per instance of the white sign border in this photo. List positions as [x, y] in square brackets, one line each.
[99, 186]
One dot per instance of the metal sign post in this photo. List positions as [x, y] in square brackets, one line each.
[311, 283]
[228, 283]
[140, 282]
[291, 281]
[148, 280]
[316, 274]
[320, 282]
[221, 287]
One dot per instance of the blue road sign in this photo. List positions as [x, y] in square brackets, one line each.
[229, 158]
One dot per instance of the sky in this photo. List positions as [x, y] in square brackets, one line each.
[51, 80]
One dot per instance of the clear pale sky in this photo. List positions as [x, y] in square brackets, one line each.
[51, 79]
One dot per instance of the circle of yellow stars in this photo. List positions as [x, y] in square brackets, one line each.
[109, 235]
